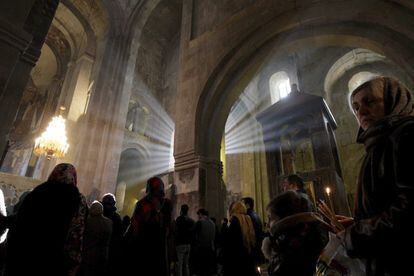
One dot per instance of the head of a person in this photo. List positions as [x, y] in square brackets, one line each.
[126, 220]
[202, 213]
[96, 209]
[237, 208]
[155, 187]
[225, 221]
[108, 199]
[184, 210]
[368, 103]
[293, 182]
[378, 98]
[249, 202]
[286, 204]
[64, 173]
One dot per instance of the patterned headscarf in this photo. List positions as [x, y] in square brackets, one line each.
[398, 104]
[155, 188]
[239, 210]
[64, 173]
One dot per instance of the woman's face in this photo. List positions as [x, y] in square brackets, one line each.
[368, 106]
[272, 218]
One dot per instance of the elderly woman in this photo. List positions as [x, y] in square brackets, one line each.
[46, 238]
[383, 230]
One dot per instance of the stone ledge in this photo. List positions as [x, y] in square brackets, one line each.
[190, 160]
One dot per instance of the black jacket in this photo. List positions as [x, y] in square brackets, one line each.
[384, 211]
[36, 241]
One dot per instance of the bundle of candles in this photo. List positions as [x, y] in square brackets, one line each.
[329, 216]
[329, 251]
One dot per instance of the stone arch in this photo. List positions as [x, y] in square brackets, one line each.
[142, 149]
[350, 60]
[129, 171]
[129, 166]
[240, 64]
[282, 30]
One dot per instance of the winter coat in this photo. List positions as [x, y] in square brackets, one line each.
[383, 233]
[38, 241]
[294, 245]
[237, 260]
[97, 236]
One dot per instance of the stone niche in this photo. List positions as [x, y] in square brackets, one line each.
[299, 139]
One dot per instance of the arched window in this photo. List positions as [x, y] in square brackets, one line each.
[279, 86]
[360, 78]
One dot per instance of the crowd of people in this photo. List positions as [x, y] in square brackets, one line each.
[53, 231]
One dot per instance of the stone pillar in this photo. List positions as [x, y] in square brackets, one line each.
[200, 184]
[102, 131]
[23, 29]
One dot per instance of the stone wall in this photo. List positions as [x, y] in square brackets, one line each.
[13, 186]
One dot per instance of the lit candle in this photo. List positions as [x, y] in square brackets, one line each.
[328, 192]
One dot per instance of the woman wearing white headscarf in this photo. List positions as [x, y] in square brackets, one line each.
[383, 230]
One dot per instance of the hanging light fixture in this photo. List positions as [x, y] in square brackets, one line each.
[53, 142]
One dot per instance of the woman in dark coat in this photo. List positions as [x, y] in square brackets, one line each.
[238, 243]
[149, 229]
[46, 238]
[97, 235]
[383, 230]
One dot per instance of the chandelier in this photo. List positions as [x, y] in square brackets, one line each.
[53, 142]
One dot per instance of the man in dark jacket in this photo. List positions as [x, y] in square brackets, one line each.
[184, 226]
[383, 230]
[204, 237]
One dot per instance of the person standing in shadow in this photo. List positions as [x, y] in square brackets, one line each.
[149, 231]
[115, 246]
[46, 238]
[382, 232]
[183, 236]
[96, 242]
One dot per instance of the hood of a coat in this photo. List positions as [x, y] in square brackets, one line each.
[292, 221]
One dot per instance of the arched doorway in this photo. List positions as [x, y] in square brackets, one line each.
[235, 71]
[129, 180]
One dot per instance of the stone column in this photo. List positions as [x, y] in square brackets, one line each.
[102, 132]
[200, 184]
[23, 29]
